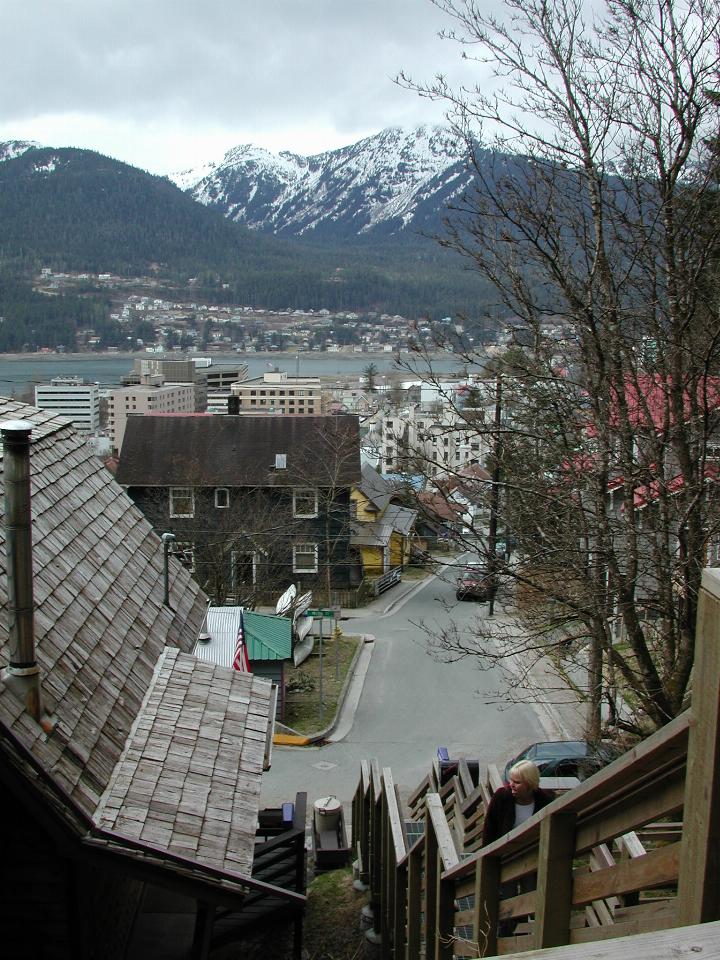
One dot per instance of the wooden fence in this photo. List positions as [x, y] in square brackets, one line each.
[631, 850]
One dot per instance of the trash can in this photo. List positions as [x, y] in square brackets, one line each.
[327, 814]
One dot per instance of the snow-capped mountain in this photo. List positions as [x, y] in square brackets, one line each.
[397, 180]
[9, 149]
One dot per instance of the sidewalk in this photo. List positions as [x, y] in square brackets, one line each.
[560, 712]
[379, 606]
[347, 703]
[384, 604]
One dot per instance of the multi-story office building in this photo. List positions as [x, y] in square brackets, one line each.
[279, 393]
[74, 398]
[209, 379]
[144, 398]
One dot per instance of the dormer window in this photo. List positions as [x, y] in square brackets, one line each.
[305, 502]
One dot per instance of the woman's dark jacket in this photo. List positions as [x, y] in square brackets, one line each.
[500, 814]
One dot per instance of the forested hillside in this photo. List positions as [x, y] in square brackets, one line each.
[75, 210]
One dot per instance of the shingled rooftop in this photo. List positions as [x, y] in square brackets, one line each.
[153, 751]
[234, 451]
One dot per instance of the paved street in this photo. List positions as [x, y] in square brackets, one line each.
[411, 704]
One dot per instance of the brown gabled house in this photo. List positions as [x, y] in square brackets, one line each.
[126, 765]
[254, 502]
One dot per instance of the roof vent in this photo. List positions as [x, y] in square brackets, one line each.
[204, 638]
[281, 461]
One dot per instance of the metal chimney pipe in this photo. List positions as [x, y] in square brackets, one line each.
[22, 675]
[167, 539]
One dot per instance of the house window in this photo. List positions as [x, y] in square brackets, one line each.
[222, 498]
[305, 558]
[305, 502]
[184, 551]
[182, 502]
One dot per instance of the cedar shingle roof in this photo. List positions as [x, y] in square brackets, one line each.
[115, 662]
[189, 778]
[227, 451]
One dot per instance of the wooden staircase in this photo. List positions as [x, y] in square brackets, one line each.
[279, 866]
[170, 926]
[630, 853]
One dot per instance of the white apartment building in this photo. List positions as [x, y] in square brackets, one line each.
[428, 441]
[139, 399]
[74, 398]
[279, 393]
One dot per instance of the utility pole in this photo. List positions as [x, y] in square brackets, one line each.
[495, 497]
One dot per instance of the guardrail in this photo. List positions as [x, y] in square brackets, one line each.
[587, 874]
[387, 580]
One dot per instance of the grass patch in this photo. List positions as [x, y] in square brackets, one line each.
[416, 573]
[302, 685]
[331, 930]
[332, 922]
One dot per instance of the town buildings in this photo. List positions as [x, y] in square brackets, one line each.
[382, 527]
[144, 398]
[429, 439]
[74, 398]
[263, 502]
[276, 392]
[212, 381]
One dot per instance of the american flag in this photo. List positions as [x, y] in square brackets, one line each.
[240, 660]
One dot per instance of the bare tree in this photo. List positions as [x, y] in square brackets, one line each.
[330, 467]
[594, 220]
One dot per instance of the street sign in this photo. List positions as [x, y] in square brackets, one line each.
[321, 614]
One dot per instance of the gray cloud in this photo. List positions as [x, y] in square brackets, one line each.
[249, 66]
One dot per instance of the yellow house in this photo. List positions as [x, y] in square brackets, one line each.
[382, 531]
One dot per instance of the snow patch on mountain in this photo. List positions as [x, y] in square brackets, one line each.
[380, 182]
[10, 149]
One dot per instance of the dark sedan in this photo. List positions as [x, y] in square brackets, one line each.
[563, 758]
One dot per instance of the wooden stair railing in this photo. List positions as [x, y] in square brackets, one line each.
[420, 898]
[659, 805]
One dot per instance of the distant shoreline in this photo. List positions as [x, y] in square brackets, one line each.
[226, 357]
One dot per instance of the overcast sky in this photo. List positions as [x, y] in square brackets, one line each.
[168, 84]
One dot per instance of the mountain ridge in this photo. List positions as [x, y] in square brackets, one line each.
[391, 183]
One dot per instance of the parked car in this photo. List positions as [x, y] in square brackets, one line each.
[563, 758]
[474, 582]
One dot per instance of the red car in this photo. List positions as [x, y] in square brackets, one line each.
[474, 583]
